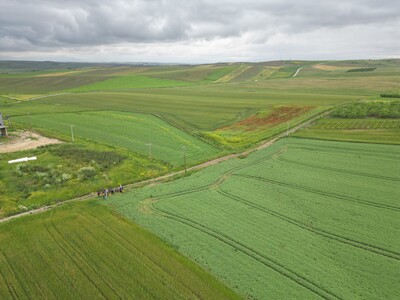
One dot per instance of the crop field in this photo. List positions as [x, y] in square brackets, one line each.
[129, 82]
[134, 132]
[369, 130]
[333, 123]
[311, 216]
[83, 251]
[262, 125]
[301, 219]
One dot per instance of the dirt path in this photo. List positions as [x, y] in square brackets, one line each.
[25, 140]
[215, 161]
[297, 72]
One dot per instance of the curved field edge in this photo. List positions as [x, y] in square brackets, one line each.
[146, 135]
[82, 250]
[304, 248]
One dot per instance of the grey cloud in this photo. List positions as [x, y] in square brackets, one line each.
[62, 24]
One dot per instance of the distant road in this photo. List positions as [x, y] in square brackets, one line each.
[40, 97]
[297, 72]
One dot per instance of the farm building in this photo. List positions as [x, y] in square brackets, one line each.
[3, 128]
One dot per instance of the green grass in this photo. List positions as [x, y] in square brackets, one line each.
[82, 251]
[66, 171]
[29, 84]
[129, 131]
[129, 82]
[301, 219]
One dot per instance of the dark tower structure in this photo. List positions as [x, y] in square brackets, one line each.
[3, 128]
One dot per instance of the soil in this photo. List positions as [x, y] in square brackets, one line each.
[25, 140]
[278, 115]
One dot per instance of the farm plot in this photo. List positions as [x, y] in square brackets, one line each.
[301, 219]
[83, 251]
[129, 82]
[144, 134]
[386, 131]
[333, 123]
[260, 126]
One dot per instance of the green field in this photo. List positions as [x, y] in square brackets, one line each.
[82, 251]
[129, 82]
[130, 131]
[66, 171]
[302, 219]
[367, 130]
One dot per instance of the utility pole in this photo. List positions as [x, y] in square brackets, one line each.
[149, 146]
[287, 129]
[30, 121]
[184, 157]
[72, 133]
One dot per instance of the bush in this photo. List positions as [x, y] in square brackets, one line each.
[104, 159]
[368, 109]
[86, 173]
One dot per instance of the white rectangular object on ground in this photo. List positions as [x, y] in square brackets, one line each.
[22, 159]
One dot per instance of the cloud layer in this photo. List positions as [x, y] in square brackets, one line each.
[198, 30]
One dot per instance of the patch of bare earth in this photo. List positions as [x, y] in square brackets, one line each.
[278, 115]
[25, 140]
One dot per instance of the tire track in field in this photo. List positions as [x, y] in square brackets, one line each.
[15, 277]
[72, 259]
[339, 170]
[103, 228]
[55, 272]
[266, 261]
[79, 256]
[327, 234]
[345, 150]
[155, 268]
[224, 176]
[319, 192]
[10, 288]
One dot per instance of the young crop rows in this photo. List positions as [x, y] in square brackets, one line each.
[357, 124]
[308, 219]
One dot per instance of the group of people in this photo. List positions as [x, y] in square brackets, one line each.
[110, 191]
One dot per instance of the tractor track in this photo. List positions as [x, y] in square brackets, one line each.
[319, 192]
[327, 234]
[10, 286]
[339, 170]
[73, 260]
[266, 261]
[9, 265]
[153, 266]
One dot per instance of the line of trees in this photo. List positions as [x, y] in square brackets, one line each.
[368, 110]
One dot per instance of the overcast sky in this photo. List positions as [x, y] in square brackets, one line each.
[198, 31]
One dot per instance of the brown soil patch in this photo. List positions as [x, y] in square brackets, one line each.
[332, 68]
[278, 115]
[25, 140]
[57, 74]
